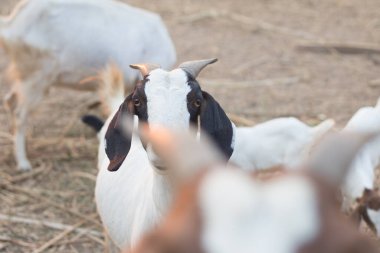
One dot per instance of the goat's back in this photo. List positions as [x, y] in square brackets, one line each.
[83, 35]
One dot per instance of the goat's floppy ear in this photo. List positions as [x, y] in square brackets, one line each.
[216, 124]
[117, 138]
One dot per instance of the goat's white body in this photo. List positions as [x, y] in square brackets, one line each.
[60, 42]
[81, 36]
[281, 141]
[362, 171]
[131, 200]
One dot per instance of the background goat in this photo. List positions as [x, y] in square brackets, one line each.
[280, 141]
[63, 41]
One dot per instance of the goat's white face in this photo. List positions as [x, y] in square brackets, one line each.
[173, 100]
[166, 94]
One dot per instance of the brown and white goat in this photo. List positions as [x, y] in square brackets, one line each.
[224, 210]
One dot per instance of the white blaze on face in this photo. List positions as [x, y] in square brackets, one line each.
[241, 215]
[166, 94]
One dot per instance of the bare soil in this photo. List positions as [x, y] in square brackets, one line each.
[261, 74]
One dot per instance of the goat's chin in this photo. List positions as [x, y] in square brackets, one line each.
[160, 167]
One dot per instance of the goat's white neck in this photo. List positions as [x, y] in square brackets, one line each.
[162, 191]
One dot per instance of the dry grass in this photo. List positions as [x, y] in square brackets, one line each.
[260, 75]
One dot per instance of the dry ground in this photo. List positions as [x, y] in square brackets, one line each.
[260, 75]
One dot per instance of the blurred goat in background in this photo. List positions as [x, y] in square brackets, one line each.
[61, 42]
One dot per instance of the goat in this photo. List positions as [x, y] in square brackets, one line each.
[223, 210]
[280, 141]
[133, 188]
[60, 42]
[358, 188]
[171, 99]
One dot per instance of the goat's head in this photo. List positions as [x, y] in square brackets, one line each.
[172, 99]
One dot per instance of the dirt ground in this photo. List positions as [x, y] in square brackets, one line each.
[261, 74]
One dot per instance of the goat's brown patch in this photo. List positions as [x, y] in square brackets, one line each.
[180, 231]
[270, 173]
[369, 200]
[336, 234]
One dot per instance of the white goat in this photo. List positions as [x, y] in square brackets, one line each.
[61, 42]
[223, 210]
[281, 141]
[172, 99]
[133, 197]
[359, 184]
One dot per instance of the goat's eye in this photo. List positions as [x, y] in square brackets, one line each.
[197, 103]
[136, 101]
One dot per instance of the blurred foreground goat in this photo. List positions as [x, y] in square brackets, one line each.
[224, 210]
[61, 42]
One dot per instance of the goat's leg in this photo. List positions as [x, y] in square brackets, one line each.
[10, 100]
[20, 121]
[18, 114]
[28, 95]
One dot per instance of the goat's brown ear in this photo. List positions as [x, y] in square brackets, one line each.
[216, 124]
[119, 134]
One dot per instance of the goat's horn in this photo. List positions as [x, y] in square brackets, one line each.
[193, 68]
[145, 68]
